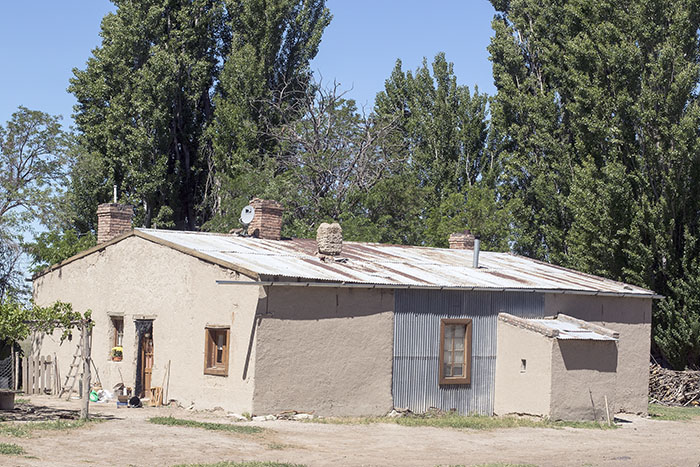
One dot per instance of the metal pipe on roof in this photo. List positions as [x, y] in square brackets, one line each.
[477, 248]
[433, 287]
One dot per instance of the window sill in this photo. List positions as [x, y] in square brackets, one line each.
[216, 372]
[449, 381]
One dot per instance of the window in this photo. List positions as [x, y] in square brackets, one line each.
[216, 350]
[455, 351]
[118, 327]
[116, 351]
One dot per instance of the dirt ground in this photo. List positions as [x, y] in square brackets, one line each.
[128, 439]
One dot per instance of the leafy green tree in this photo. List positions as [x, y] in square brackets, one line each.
[678, 328]
[11, 286]
[264, 78]
[33, 168]
[442, 133]
[172, 105]
[596, 116]
[52, 247]
[144, 100]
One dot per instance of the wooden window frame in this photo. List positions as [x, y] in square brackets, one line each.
[467, 364]
[115, 331]
[220, 369]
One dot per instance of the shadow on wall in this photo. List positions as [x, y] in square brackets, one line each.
[589, 355]
[310, 304]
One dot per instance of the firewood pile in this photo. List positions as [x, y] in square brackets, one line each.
[671, 387]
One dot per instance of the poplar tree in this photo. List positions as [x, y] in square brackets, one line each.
[442, 135]
[265, 75]
[597, 112]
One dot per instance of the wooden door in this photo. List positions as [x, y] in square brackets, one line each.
[147, 363]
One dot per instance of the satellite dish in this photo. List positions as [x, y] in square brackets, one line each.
[247, 215]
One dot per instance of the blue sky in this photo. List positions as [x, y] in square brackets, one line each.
[41, 41]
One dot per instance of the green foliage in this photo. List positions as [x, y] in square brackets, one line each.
[18, 320]
[664, 412]
[677, 330]
[26, 429]
[11, 449]
[144, 100]
[53, 247]
[33, 167]
[440, 136]
[11, 286]
[172, 421]
[595, 125]
[473, 422]
[264, 83]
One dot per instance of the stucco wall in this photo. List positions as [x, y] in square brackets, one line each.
[137, 278]
[631, 317]
[324, 350]
[583, 374]
[517, 391]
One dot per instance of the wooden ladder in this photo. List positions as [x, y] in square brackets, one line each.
[73, 372]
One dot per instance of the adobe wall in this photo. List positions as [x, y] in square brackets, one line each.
[138, 278]
[631, 317]
[583, 375]
[325, 350]
[522, 392]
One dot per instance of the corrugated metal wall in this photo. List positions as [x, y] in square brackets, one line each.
[417, 346]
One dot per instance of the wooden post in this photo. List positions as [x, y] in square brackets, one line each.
[57, 379]
[14, 366]
[85, 336]
[25, 373]
[42, 377]
[48, 367]
[37, 379]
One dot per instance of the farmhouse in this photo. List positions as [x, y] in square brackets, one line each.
[261, 324]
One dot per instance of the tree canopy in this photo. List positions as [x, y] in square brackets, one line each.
[587, 156]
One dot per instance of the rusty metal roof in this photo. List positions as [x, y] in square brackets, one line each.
[389, 265]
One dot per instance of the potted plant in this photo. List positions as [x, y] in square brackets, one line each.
[117, 354]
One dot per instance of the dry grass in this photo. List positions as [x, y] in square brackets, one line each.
[664, 412]
[25, 429]
[242, 464]
[474, 422]
[172, 421]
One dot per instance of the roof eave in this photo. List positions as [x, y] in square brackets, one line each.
[265, 281]
[150, 238]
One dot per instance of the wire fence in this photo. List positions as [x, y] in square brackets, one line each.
[6, 373]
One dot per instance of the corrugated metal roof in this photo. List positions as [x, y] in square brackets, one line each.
[389, 265]
[572, 331]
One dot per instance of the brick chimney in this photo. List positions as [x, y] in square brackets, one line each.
[113, 220]
[462, 240]
[329, 239]
[267, 222]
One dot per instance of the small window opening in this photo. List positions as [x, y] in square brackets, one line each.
[118, 326]
[523, 365]
[117, 349]
[216, 350]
